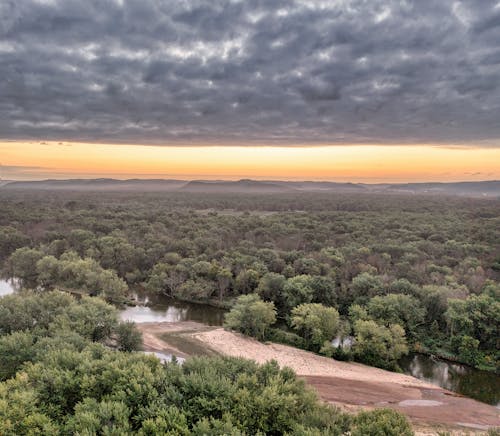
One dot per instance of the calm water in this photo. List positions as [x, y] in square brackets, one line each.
[481, 385]
[163, 309]
[7, 287]
[165, 357]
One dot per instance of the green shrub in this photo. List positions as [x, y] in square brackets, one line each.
[284, 337]
[381, 422]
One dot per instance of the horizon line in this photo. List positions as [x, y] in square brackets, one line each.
[262, 180]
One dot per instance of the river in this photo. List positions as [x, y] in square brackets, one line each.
[480, 385]
[159, 308]
[7, 287]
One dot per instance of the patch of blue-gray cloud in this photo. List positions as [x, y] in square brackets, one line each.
[243, 72]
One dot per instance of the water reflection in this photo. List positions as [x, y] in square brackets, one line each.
[481, 385]
[163, 309]
[8, 287]
[166, 357]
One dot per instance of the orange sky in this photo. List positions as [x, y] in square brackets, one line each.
[362, 163]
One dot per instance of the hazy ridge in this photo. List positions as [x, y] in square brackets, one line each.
[489, 189]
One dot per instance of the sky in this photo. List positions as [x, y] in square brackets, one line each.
[347, 90]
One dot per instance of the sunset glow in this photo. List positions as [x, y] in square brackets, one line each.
[305, 90]
[362, 163]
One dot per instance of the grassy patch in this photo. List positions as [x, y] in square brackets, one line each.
[185, 342]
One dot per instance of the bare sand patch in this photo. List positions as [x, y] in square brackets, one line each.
[152, 333]
[351, 386]
[302, 362]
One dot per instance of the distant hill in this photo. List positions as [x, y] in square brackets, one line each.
[327, 186]
[99, 185]
[470, 189]
[241, 186]
[485, 189]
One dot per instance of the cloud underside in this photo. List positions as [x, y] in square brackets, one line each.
[263, 71]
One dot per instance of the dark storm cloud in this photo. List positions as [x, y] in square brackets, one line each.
[226, 71]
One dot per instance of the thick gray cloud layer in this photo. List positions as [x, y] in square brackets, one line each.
[264, 71]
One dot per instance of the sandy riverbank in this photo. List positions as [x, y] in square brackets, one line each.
[349, 385]
[302, 362]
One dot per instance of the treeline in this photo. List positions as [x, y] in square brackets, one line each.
[36, 270]
[375, 341]
[62, 373]
[421, 271]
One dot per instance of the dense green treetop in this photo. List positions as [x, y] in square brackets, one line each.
[402, 259]
[64, 371]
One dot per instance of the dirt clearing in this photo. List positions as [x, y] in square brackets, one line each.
[351, 386]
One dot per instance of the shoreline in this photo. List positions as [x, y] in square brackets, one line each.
[350, 386]
[225, 306]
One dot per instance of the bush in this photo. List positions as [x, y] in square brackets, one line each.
[381, 422]
[128, 337]
[284, 337]
[378, 345]
[315, 323]
[251, 316]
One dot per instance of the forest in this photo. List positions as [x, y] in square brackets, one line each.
[380, 274]
[68, 366]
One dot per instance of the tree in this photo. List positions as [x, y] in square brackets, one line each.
[324, 290]
[70, 272]
[198, 289]
[251, 316]
[128, 337]
[365, 286]
[115, 252]
[304, 265]
[381, 422]
[350, 250]
[378, 345]
[48, 272]
[478, 317]
[165, 278]
[458, 319]
[92, 318]
[104, 417]
[246, 281]
[358, 312]
[298, 290]
[10, 240]
[401, 309]
[468, 349]
[270, 288]
[20, 413]
[223, 278]
[112, 288]
[168, 421]
[96, 390]
[404, 286]
[15, 349]
[23, 265]
[315, 323]
[27, 310]
[216, 427]
[435, 301]
[81, 240]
